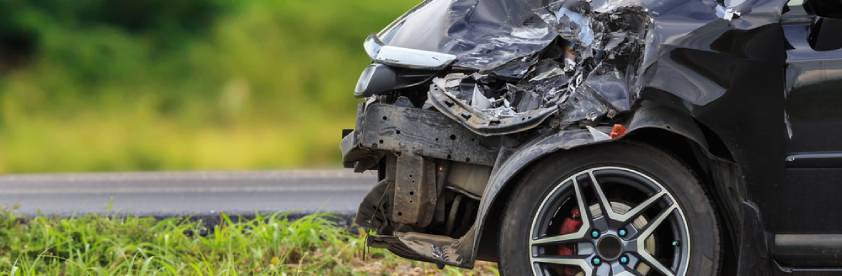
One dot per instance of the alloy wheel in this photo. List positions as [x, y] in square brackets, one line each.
[609, 221]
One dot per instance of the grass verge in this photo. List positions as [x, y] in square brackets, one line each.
[265, 245]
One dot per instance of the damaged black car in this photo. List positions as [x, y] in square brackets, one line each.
[606, 137]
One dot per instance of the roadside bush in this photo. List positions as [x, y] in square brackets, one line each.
[100, 85]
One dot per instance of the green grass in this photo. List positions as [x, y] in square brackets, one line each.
[270, 245]
[260, 85]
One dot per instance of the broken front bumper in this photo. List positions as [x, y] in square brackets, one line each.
[383, 128]
[413, 149]
[416, 150]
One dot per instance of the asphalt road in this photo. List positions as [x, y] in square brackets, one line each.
[195, 193]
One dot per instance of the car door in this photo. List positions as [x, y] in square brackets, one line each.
[810, 199]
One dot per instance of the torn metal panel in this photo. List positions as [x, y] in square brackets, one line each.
[420, 246]
[586, 73]
[482, 117]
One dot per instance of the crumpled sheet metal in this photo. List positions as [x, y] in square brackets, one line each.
[583, 60]
[484, 34]
[467, 105]
[426, 247]
[584, 73]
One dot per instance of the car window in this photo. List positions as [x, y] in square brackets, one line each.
[824, 8]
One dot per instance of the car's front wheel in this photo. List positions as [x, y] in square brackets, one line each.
[618, 209]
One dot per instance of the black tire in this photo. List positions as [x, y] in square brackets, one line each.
[540, 180]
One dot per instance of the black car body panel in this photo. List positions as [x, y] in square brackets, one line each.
[750, 92]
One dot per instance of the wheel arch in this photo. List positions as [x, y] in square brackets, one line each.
[667, 129]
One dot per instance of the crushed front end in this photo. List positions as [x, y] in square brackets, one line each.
[459, 88]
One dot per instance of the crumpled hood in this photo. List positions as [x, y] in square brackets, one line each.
[487, 34]
[483, 34]
[587, 60]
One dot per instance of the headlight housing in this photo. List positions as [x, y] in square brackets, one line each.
[378, 78]
[374, 79]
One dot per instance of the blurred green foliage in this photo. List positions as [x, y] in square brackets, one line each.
[103, 85]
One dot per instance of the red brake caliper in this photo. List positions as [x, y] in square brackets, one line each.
[570, 224]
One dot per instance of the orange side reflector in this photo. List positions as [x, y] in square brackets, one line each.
[618, 131]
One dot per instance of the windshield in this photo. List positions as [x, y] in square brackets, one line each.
[483, 34]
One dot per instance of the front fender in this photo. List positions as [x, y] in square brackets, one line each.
[648, 116]
[742, 217]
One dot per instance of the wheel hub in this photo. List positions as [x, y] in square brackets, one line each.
[609, 247]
